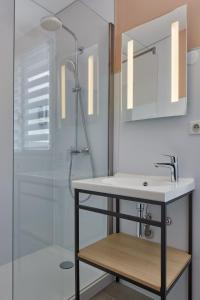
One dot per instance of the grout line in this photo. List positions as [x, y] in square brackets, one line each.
[51, 12]
[41, 6]
[68, 6]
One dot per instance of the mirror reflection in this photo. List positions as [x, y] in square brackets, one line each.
[154, 68]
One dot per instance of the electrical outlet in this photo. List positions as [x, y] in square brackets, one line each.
[195, 127]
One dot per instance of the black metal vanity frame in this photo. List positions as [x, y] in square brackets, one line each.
[162, 224]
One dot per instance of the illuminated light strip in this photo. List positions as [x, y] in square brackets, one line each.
[130, 66]
[91, 85]
[63, 92]
[175, 62]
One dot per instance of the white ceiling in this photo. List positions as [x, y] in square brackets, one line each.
[105, 8]
[29, 12]
[54, 5]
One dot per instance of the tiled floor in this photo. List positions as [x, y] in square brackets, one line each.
[117, 291]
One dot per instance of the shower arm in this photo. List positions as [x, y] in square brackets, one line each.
[70, 32]
[76, 49]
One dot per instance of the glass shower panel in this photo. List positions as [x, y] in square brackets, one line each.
[60, 134]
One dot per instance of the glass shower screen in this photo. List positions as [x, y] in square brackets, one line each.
[60, 134]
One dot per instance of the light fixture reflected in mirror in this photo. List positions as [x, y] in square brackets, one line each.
[63, 91]
[175, 62]
[130, 67]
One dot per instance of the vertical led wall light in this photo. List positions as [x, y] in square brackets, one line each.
[63, 91]
[91, 85]
[130, 68]
[175, 62]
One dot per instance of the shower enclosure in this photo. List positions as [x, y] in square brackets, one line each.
[61, 106]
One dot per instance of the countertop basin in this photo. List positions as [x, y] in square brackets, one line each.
[158, 188]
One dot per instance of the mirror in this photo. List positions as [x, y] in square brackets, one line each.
[154, 68]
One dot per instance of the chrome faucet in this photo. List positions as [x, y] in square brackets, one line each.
[172, 165]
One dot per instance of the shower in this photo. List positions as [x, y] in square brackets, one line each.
[52, 23]
[56, 139]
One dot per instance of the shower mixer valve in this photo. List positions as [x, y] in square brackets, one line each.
[76, 89]
[79, 151]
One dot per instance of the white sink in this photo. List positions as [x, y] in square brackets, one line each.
[157, 188]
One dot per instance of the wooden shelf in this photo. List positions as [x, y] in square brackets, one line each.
[135, 259]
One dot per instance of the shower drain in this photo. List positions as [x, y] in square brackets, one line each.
[65, 265]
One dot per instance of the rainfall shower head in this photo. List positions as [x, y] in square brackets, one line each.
[51, 23]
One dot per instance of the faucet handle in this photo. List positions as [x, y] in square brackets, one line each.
[173, 158]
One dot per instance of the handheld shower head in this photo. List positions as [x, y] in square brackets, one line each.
[51, 23]
[71, 65]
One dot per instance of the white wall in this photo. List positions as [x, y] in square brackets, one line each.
[139, 144]
[6, 132]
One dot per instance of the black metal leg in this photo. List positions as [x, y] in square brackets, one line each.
[117, 218]
[117, 223]
[77, 275]
[190, 232]
[163, 252]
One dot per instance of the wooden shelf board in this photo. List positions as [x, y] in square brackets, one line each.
[136, 259]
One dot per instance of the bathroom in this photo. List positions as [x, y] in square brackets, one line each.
[72, 73]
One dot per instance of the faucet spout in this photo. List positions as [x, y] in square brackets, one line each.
[173, 165]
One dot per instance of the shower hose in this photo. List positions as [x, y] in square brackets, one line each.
[86, 150]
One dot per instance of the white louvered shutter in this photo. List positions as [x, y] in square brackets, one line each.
[33, 83]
